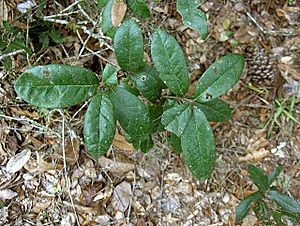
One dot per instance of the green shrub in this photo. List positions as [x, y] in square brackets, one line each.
[262, 201]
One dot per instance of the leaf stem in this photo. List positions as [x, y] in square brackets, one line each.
[180, 99]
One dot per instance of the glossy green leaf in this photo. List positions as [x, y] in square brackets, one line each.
[245, 205]
[275, 173]
[139, 8]
[129, 46]
[148, 82]
[131, 112]
[176, 143]
[169, 103]
[56, 86]
[99, 125]
[155, 111]
[219, 77]
[258, 177]
[198, 146]
[169, 60]
[192, 16]
[284, 201]
[109, 75]
[176, 119]
[215, 110]
[106, 23]
[129, 87]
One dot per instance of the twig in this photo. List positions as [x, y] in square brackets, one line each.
[161, 191]
[12, 53]
[65, 165]
[86, 15]
[100, 37]
[281, 32]
[61, 14]
[27, 40]
[33, 124]
[133, 190]
[70, 6]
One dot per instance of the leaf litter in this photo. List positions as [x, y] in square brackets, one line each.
[156, 188]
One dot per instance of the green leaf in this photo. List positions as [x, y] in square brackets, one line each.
[284, 201]
[176, 118]
[198, 146]
[109, 75]
[99, 125]
[245, 205]
[277, 217]
[106, 23]
[292, 216]
[169, 60]
[155, 111]
[139, 8]
[55, 36]
[144, 145]
[56, 86]
[44, 40]
[129, 87]
[101, 3]
[192, 16]
[148, 82]
[275, 173]
[131, 112]
[215, 110]
[258, 177]
[176, 143]
[169, 103]
[17, 44]
[262, 211]
[220, 77]
[129, 46]
[7, 63]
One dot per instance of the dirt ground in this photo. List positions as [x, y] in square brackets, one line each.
[53, 181]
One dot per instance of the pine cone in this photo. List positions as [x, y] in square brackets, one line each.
[261, 65]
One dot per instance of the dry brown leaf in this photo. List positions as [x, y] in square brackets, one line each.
[40, 206]
[118, 12]
[122, 196]
[290, 70]
[89, 192]
[20, 112]
[40, 165]
[115, 167]
[258, 141]
[255, 156]
[121, 143]
[80, 208]
[71, 149]
[18, 161]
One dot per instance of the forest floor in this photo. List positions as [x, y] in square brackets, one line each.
[47, 186]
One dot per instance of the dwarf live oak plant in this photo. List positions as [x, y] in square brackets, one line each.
[262, 201]
[136, 101]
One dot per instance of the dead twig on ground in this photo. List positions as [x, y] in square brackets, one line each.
[65, 165]
[280, 32]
